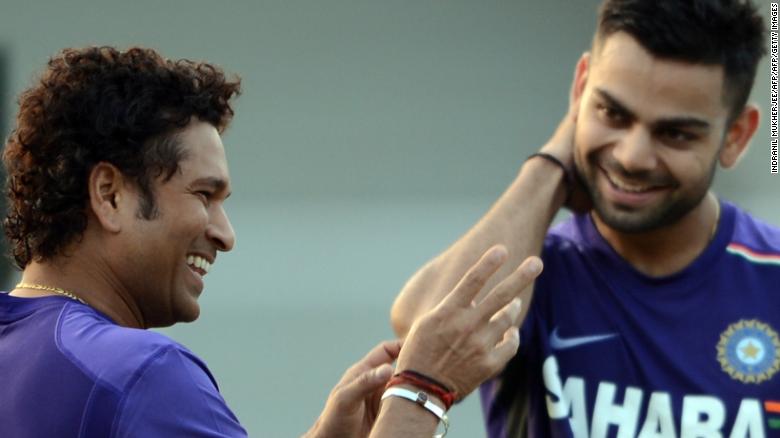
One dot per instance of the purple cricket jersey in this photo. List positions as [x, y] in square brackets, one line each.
[69, 371]
[609, 352]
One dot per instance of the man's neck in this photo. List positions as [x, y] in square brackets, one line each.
[88, 281]
[669, 249]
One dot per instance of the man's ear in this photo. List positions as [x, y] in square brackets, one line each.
[738, 136]
[578, 83]
[107, 191]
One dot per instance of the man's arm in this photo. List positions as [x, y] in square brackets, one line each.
[518, 220]
[172, 395]
[460, 343]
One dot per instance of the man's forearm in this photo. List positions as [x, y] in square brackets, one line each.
[519, 220]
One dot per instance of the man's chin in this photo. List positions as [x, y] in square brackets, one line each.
[185, 309]
[190, 313]
[629, 221]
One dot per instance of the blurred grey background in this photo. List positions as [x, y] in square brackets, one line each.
[370, 134]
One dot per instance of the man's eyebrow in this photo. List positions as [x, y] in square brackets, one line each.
[682, 122]
[614, 102]
[669, 122]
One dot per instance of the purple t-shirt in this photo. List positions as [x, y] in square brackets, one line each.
[609, 352]
[69, 371]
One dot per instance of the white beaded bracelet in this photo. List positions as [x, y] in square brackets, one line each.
[421, 398]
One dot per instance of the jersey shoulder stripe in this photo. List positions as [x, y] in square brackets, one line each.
[755, 240]
[753, 256]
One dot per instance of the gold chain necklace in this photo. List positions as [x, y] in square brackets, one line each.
[56, 290]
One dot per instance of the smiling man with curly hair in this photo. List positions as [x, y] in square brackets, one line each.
[117, 180]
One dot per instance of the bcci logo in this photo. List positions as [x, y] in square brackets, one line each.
[749, 351]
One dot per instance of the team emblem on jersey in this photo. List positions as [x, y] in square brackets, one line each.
[749, 351]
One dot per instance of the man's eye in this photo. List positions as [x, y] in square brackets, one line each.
[677, 136]
[203, 195]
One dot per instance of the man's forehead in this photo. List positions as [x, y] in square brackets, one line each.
[203, 159]
[637, 78]
[216, 183]
[204, 172]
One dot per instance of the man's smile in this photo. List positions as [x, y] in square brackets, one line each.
[199, 264]
[630, 193]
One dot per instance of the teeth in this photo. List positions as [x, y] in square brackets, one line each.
[198, 262]
[626, 187]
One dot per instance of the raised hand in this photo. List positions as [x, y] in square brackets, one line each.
[353, 403]
[462, 343]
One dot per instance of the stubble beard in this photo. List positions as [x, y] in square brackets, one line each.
[631, 221]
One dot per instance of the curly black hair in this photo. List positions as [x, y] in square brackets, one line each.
[100, 104]
[730, 33]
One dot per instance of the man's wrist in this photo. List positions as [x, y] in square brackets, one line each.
[564, 156]
[551, 170]
[425, 383]
[428, 404]
[431, 397]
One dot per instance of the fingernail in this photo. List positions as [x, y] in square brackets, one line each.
[517, 303]
[533, 266]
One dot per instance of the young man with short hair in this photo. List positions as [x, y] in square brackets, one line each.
[658, 313]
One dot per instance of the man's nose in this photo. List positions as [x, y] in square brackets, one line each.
[220, 231]
[635, 150]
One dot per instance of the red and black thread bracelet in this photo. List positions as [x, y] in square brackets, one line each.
[425, 383]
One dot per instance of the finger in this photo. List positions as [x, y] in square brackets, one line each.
[510, 287]
[384, 353]
[500, 322]
[351, 395]
[474, 279]
[505, 350]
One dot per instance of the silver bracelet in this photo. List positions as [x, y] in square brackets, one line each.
[421, 398]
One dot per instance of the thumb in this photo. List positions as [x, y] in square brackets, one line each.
[365, 384]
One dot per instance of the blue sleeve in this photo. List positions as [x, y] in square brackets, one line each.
[175, 396]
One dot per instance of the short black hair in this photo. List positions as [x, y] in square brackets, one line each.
[100, 104]
[730, 33]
